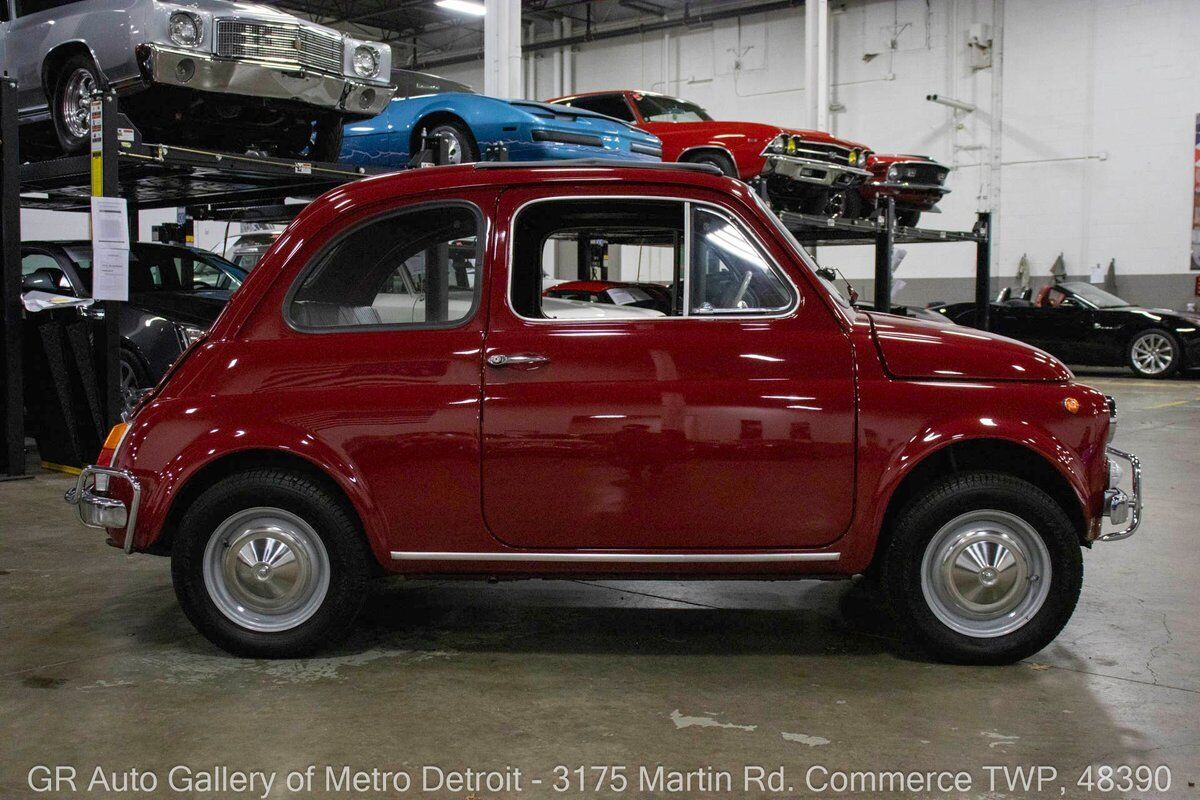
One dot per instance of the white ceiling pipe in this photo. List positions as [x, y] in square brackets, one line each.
[816, 62]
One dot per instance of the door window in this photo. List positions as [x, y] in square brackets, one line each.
[639, 259]
[416, 268]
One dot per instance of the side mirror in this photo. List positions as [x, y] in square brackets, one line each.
[827, 273]
[41, 280]
[853, 294]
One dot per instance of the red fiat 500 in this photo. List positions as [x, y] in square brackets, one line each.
[385, 391]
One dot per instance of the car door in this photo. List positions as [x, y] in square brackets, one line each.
[1061, 325]
[727, 425]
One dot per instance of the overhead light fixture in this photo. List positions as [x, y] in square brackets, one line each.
[463, 7]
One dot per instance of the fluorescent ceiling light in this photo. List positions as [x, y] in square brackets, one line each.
[463, 7]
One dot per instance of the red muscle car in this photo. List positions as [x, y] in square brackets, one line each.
[916, 182]
[807, 170]
[334, 423]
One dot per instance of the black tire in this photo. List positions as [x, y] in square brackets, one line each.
[718, 160]
[907, 217]
[935, 519]
[133, 373]
[833, 203]
[1148, 348]
[290, 495]
[74, 76]
[327, 140]
[463, 147]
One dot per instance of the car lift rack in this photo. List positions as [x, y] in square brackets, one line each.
[207, 183]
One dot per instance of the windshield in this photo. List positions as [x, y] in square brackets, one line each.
[835, 289]
[1096, 296]
[163, 268]
[669, 109]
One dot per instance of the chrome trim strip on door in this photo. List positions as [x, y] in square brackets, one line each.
[618, 558]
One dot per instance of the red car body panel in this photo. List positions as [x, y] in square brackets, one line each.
[698, 435]
[741, 141]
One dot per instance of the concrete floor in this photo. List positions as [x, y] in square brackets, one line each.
[99, 667]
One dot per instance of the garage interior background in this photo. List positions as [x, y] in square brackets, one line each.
[1080, 141]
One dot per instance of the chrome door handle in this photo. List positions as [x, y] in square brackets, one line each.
[517, 360]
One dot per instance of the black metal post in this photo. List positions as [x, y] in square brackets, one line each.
[10, 261]
[583, 254]
[983, 271]
[107, 184]
[437, 283]
[885, 245]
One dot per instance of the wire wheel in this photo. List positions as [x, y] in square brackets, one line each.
[985, 573]
[1152, 353]
[266, 569]
[75, 103]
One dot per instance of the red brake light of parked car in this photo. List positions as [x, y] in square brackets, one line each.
[112, 442]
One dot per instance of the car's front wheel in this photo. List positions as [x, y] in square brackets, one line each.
[70, 102]
[270, 564]
[982, 568]
[1154, 354]
[460, 144]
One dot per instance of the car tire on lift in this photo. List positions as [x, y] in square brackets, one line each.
[717, 160]
[70, 101]
[463, 149]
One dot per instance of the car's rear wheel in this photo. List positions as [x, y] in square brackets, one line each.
[982, 568]
[718, 160]
[1154, 353]
[270, 564]
[460, 144]
[70, 103]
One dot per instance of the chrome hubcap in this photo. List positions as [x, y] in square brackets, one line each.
[77, 101]
[128, 379]
[985, 573]
[266, 569]
[1152, 353]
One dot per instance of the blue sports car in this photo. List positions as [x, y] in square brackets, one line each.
[471, 123]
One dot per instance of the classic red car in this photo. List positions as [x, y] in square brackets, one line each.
[917, 183]
[807, 170]
[329, 427]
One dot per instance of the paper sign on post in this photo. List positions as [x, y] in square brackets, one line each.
[110, 248]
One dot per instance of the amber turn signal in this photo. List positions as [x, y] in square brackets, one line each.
[1071, 405]
[115, 435]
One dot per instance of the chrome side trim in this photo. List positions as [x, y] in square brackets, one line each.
[1117, 503]
[617, 558]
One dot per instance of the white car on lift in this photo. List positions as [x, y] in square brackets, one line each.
[232, 75]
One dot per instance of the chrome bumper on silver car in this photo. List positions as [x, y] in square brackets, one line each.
[204, 72]
[811, 170]
[1119, 507]
[98, 511]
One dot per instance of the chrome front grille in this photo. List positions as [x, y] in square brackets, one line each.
[820, 151]
[920, 172]
[294, 45]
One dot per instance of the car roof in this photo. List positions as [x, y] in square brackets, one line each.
[567, 173]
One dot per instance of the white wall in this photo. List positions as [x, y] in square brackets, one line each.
[1091, 131]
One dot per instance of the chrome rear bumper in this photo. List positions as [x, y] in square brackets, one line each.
[1120, 507]
[98, 511]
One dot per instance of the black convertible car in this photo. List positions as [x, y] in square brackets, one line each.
[175, 293]
[1083, 324]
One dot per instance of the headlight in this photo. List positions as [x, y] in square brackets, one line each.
[184, 29]
[893, 173]
[189, 334]
[366, 61]
[852, 157]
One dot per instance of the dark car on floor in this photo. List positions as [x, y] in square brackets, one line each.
[1083, 324]
[175, 294]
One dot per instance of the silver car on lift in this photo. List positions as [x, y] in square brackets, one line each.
[211, 73]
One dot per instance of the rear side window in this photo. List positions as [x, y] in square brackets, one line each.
[416, 268]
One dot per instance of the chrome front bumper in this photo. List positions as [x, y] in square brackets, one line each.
[98, 511]
[1121, 508]
[811, 170]
[204, 72]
